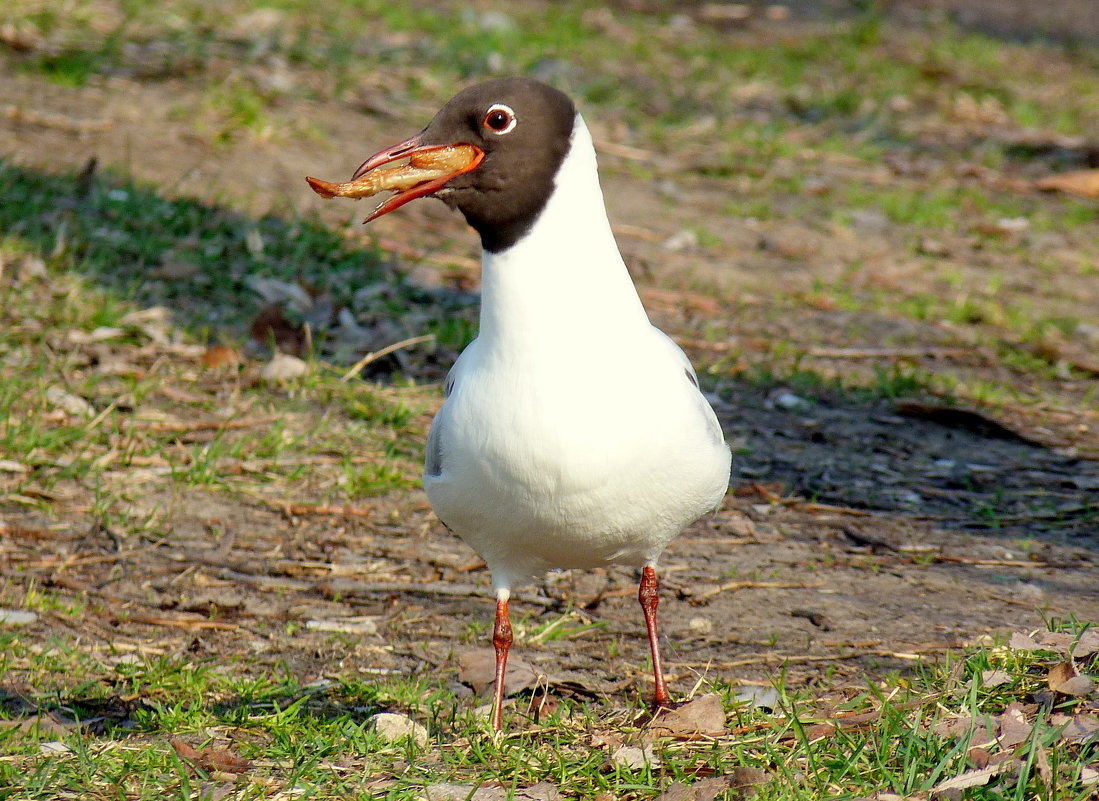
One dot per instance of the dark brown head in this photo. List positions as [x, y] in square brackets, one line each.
[522, 127]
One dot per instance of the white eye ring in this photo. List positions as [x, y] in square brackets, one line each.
[499, 114]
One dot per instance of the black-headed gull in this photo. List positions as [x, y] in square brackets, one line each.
[573, 434]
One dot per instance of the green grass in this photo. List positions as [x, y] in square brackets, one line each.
[904, 735]
[754, 118]
[839, 81]
[77, 260]
[121, 235]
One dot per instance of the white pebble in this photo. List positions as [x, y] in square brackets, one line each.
[17, 617]
[283, 367]
[391, 726]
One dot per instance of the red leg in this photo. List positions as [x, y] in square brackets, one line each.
[648, 597]
[501, 640]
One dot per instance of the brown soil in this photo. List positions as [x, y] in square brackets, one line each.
[859, 534]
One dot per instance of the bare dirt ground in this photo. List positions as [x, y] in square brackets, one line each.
[858, 534]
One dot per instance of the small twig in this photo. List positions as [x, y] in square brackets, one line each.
[964, 560]
[204, 425]
[626, 152]
[816, 508]
[703, 344]
[637, 232]
[99, 418]
[25, 532]
[888, 353]
[805, 658]
[257, 464]
[321, 509]
[801, 505]
[59, 121]
[744, 585]
[187, 623]
[374, 356]
[265, 582]
[77, 561]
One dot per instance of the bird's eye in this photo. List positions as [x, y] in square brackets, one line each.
[499, 119]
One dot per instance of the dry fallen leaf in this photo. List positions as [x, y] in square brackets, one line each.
[449, 791]
[1060, 642]
[607, 739]
[543, 704]
[1023, 642]
[1056, 641]
[702, 717]
[971, 778]
[994, 678]
[1087, 645]
[1041, 759]
[701, 790]
[743, 781]
[635, 756]
[1064, 679]
[213, 759]
[954, 727]
[220, 356]
[543, 791]
[1014, 727]
[820, 731]
[477, 668]
[1077, 729]
[980, 757]
[44, 723]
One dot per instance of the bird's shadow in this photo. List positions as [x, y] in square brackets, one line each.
[208, 264]
[958, 468]
[89, 711]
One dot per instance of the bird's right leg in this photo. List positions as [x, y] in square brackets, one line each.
[501, 641]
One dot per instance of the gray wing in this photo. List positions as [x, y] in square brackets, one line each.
[433, 452]
[433, 456]
[704, 406]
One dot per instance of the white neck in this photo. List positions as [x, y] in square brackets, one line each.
[565, 278]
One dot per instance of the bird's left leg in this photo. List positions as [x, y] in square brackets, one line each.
[648, 597]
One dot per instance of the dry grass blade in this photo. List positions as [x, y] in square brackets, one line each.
[730, 586]
[324, 509]
[183, 426]
[373, 357]
[61, 122]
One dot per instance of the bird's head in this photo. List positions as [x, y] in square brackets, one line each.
[491, 152]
